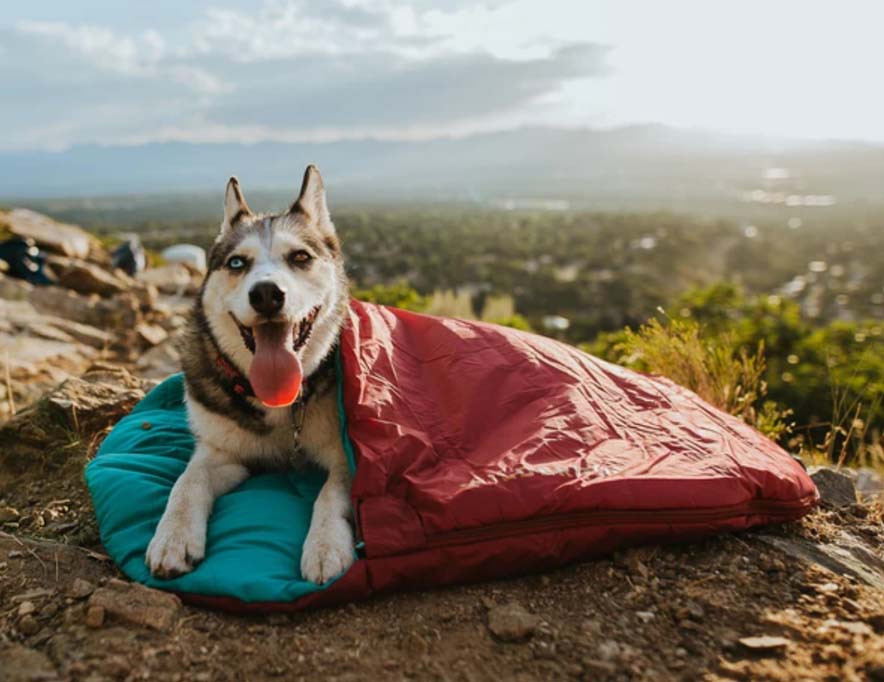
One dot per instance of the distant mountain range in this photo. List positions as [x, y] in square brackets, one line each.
[648, 165]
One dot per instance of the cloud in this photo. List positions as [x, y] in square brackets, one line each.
[387, 89]
[106, 49]
[143, 56]
[295, 28]
[290, 70]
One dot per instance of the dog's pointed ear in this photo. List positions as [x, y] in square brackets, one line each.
[235, 206]
[312, 198]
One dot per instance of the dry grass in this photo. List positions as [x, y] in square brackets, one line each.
[849, 438]
[732, 379]
[729, 378]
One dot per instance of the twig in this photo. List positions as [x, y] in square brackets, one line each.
[29, 551]
[75, 418]
[843, 456]
[11, 398]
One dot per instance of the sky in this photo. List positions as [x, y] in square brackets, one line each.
[111, 73]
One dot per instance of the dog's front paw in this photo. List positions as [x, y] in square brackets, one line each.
[176, 548]
[328, 551]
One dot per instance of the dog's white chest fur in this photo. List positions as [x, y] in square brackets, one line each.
[225, 434]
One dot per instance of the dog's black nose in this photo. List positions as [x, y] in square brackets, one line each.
[267, 298]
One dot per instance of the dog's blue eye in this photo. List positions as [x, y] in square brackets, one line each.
[236, 263]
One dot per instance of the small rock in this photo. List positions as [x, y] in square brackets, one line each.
[692, 610]
[598, 668]
[765, 644]
[609, 650]
[836, 489]
[544, 650]
[869, 483]
[511, 622]
[29, 595]
[592, 627]
[80, 589]
[28, 625]
[188, 254]
[25, 608]
[775, 565]
[86, 278]
[729, 639]
[137, 604]
[95, 616]
[634, 560]
[853, 627]
[416, 645]
[8, 514]
[644, 616]
[173, 279]
[859, 510]
[152, 334]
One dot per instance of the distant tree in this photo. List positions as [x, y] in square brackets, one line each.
[398, 295]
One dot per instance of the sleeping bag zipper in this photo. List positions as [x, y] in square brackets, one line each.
[773, 510]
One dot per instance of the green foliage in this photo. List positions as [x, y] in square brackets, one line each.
[829, 376]
[714, 367]
[812, 294]
[398, 295]
[515, 321]
[601, 271]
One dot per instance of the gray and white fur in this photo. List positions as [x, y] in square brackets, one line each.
[296, 254]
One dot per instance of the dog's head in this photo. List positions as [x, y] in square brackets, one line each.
[275, 290]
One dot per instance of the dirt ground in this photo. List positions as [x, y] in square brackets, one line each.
[652, 613]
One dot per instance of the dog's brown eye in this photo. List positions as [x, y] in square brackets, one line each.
[299, 257]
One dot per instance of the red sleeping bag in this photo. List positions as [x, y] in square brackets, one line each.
[484, 452]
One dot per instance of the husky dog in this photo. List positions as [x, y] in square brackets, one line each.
[259, 374]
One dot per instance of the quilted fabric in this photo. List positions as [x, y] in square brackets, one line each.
[256, 531]
[479, 452]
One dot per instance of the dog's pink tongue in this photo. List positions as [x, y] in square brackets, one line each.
[275, 372]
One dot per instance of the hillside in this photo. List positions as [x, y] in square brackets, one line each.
[801, 601]
[636, 166]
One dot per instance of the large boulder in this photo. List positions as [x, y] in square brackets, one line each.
[67, 240]
[84, 333]
[73, 413]
[121, 311]
[86, 278]
[188, 254]
[160, 361]
[836, 487]
[43, 350]
[22, 318]
[174, 279]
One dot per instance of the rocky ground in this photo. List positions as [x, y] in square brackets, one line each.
[798, 602]
[90, 313]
